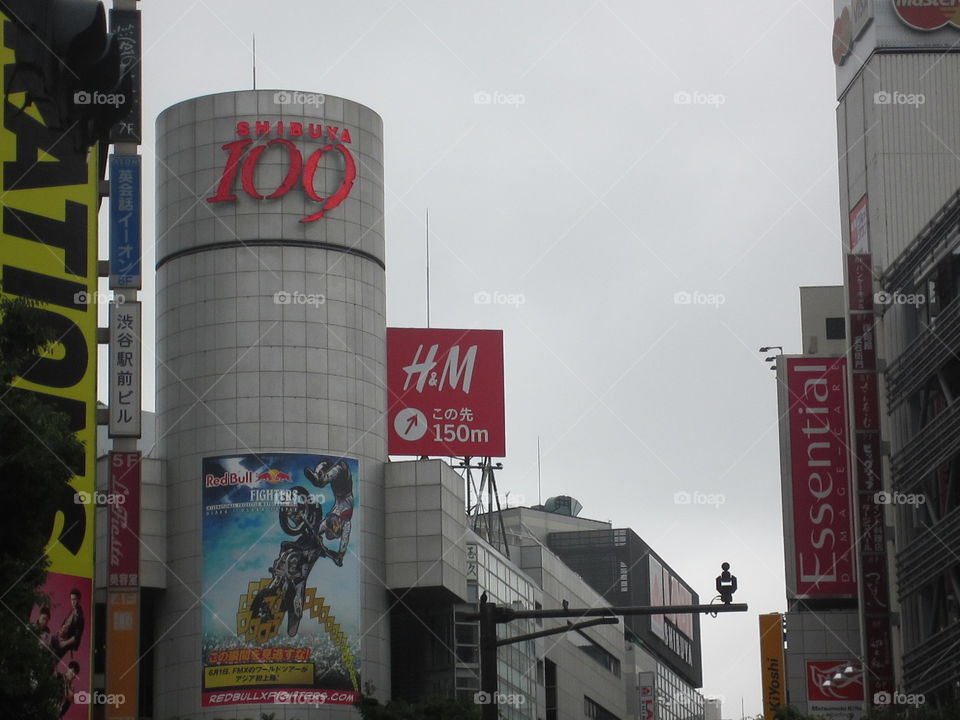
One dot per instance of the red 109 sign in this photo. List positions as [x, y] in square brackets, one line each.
[445, 392]
[298, 170]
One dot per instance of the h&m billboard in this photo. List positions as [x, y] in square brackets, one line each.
[445, 392]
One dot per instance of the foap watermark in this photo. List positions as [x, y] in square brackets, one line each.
[895, 97]
[483, 97]
[499, 698]
[298, 98]
[284, 297]
[484, 297]
[699, 298]
[284, 496]
[100, 499]
[695, 97]
[899, 498]
[699, 498]
[98, 697]
[899, 698]
[97, 298]
[82, 97]
[898, 298]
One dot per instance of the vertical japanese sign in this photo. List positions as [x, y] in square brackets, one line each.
[648, 695]
[472, 563]
[656, 597]
[123, 504]
[773, 670]
[125, 221]
[123, 654]
[125, 24]
[125, 373]
[48, 253]
[445, 392]
[123, 581]
[821, 478]
[865, 416]
[290, 635]
[860, 228]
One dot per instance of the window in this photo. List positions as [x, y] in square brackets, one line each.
[595, 711]
[836, 328]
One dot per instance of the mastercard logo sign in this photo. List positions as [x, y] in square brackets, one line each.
[928, 14]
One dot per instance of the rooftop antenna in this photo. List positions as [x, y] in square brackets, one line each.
[539, 495]
[254, 61]
[428, 268]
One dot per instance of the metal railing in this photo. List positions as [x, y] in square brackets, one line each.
[921, 359]
[920, 562]
[930, 447]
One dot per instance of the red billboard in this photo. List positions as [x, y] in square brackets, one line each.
[820, 478]
[844, 686]
[445, 392]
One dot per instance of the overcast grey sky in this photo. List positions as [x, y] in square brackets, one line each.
[629, 152]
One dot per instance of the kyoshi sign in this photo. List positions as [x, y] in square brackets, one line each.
[244, 155]
[928, 14]
[446, 392]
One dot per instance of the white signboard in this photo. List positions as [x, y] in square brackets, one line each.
[126, 329]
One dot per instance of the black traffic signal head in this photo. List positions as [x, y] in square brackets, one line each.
[66, 42]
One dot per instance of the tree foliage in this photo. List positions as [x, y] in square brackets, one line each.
[38, 456]
[429, 709]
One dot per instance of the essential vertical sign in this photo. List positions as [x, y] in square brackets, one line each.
[821, 478]
[126, 224]
[445, 392]
[126, 329]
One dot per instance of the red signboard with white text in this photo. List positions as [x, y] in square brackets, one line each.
[820, 477]
[123, 503]
[445, 392]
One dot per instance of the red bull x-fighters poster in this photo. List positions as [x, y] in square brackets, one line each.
[281, 579]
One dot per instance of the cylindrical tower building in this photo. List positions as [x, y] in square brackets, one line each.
[271, 403]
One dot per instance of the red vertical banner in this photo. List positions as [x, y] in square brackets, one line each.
[124, 514]
[865, 418]
[859, 282]
[123, 580]
[821, 478]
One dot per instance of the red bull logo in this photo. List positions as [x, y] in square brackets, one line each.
[273, 477]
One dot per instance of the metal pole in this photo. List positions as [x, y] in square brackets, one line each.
[488, 659]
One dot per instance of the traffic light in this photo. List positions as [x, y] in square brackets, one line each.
[67, 45]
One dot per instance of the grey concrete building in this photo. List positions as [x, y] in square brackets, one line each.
[822, 630]
[897, 90]
[270, 331]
